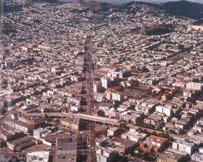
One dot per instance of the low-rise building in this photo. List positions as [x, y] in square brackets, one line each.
[38, 156]
[183, 147]
[172, 157]
[134, 135]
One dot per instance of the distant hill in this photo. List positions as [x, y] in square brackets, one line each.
[184, 8]
[140, 2]
[97, 6]
[179, 8]
[11, 8]
[48, 1]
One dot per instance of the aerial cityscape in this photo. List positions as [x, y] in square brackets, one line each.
[100, 82]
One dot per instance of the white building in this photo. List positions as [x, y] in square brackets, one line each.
[183, 147]
[164, 110]
[105, 82]
[39, 156]
[194, 86]
[134, 135]
[198, 157]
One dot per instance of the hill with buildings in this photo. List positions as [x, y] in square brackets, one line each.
[179, 8]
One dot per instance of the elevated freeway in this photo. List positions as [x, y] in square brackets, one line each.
[97, 119]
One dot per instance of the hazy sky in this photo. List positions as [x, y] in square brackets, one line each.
[124, 1]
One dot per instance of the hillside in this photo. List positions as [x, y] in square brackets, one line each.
[97, 6]
[184, 8]
[178, 8]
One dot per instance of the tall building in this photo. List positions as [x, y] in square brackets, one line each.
[105, 82]
[66, 149]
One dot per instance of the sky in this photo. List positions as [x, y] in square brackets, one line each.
[124, 1]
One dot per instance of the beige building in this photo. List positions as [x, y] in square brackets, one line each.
[195, 27]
